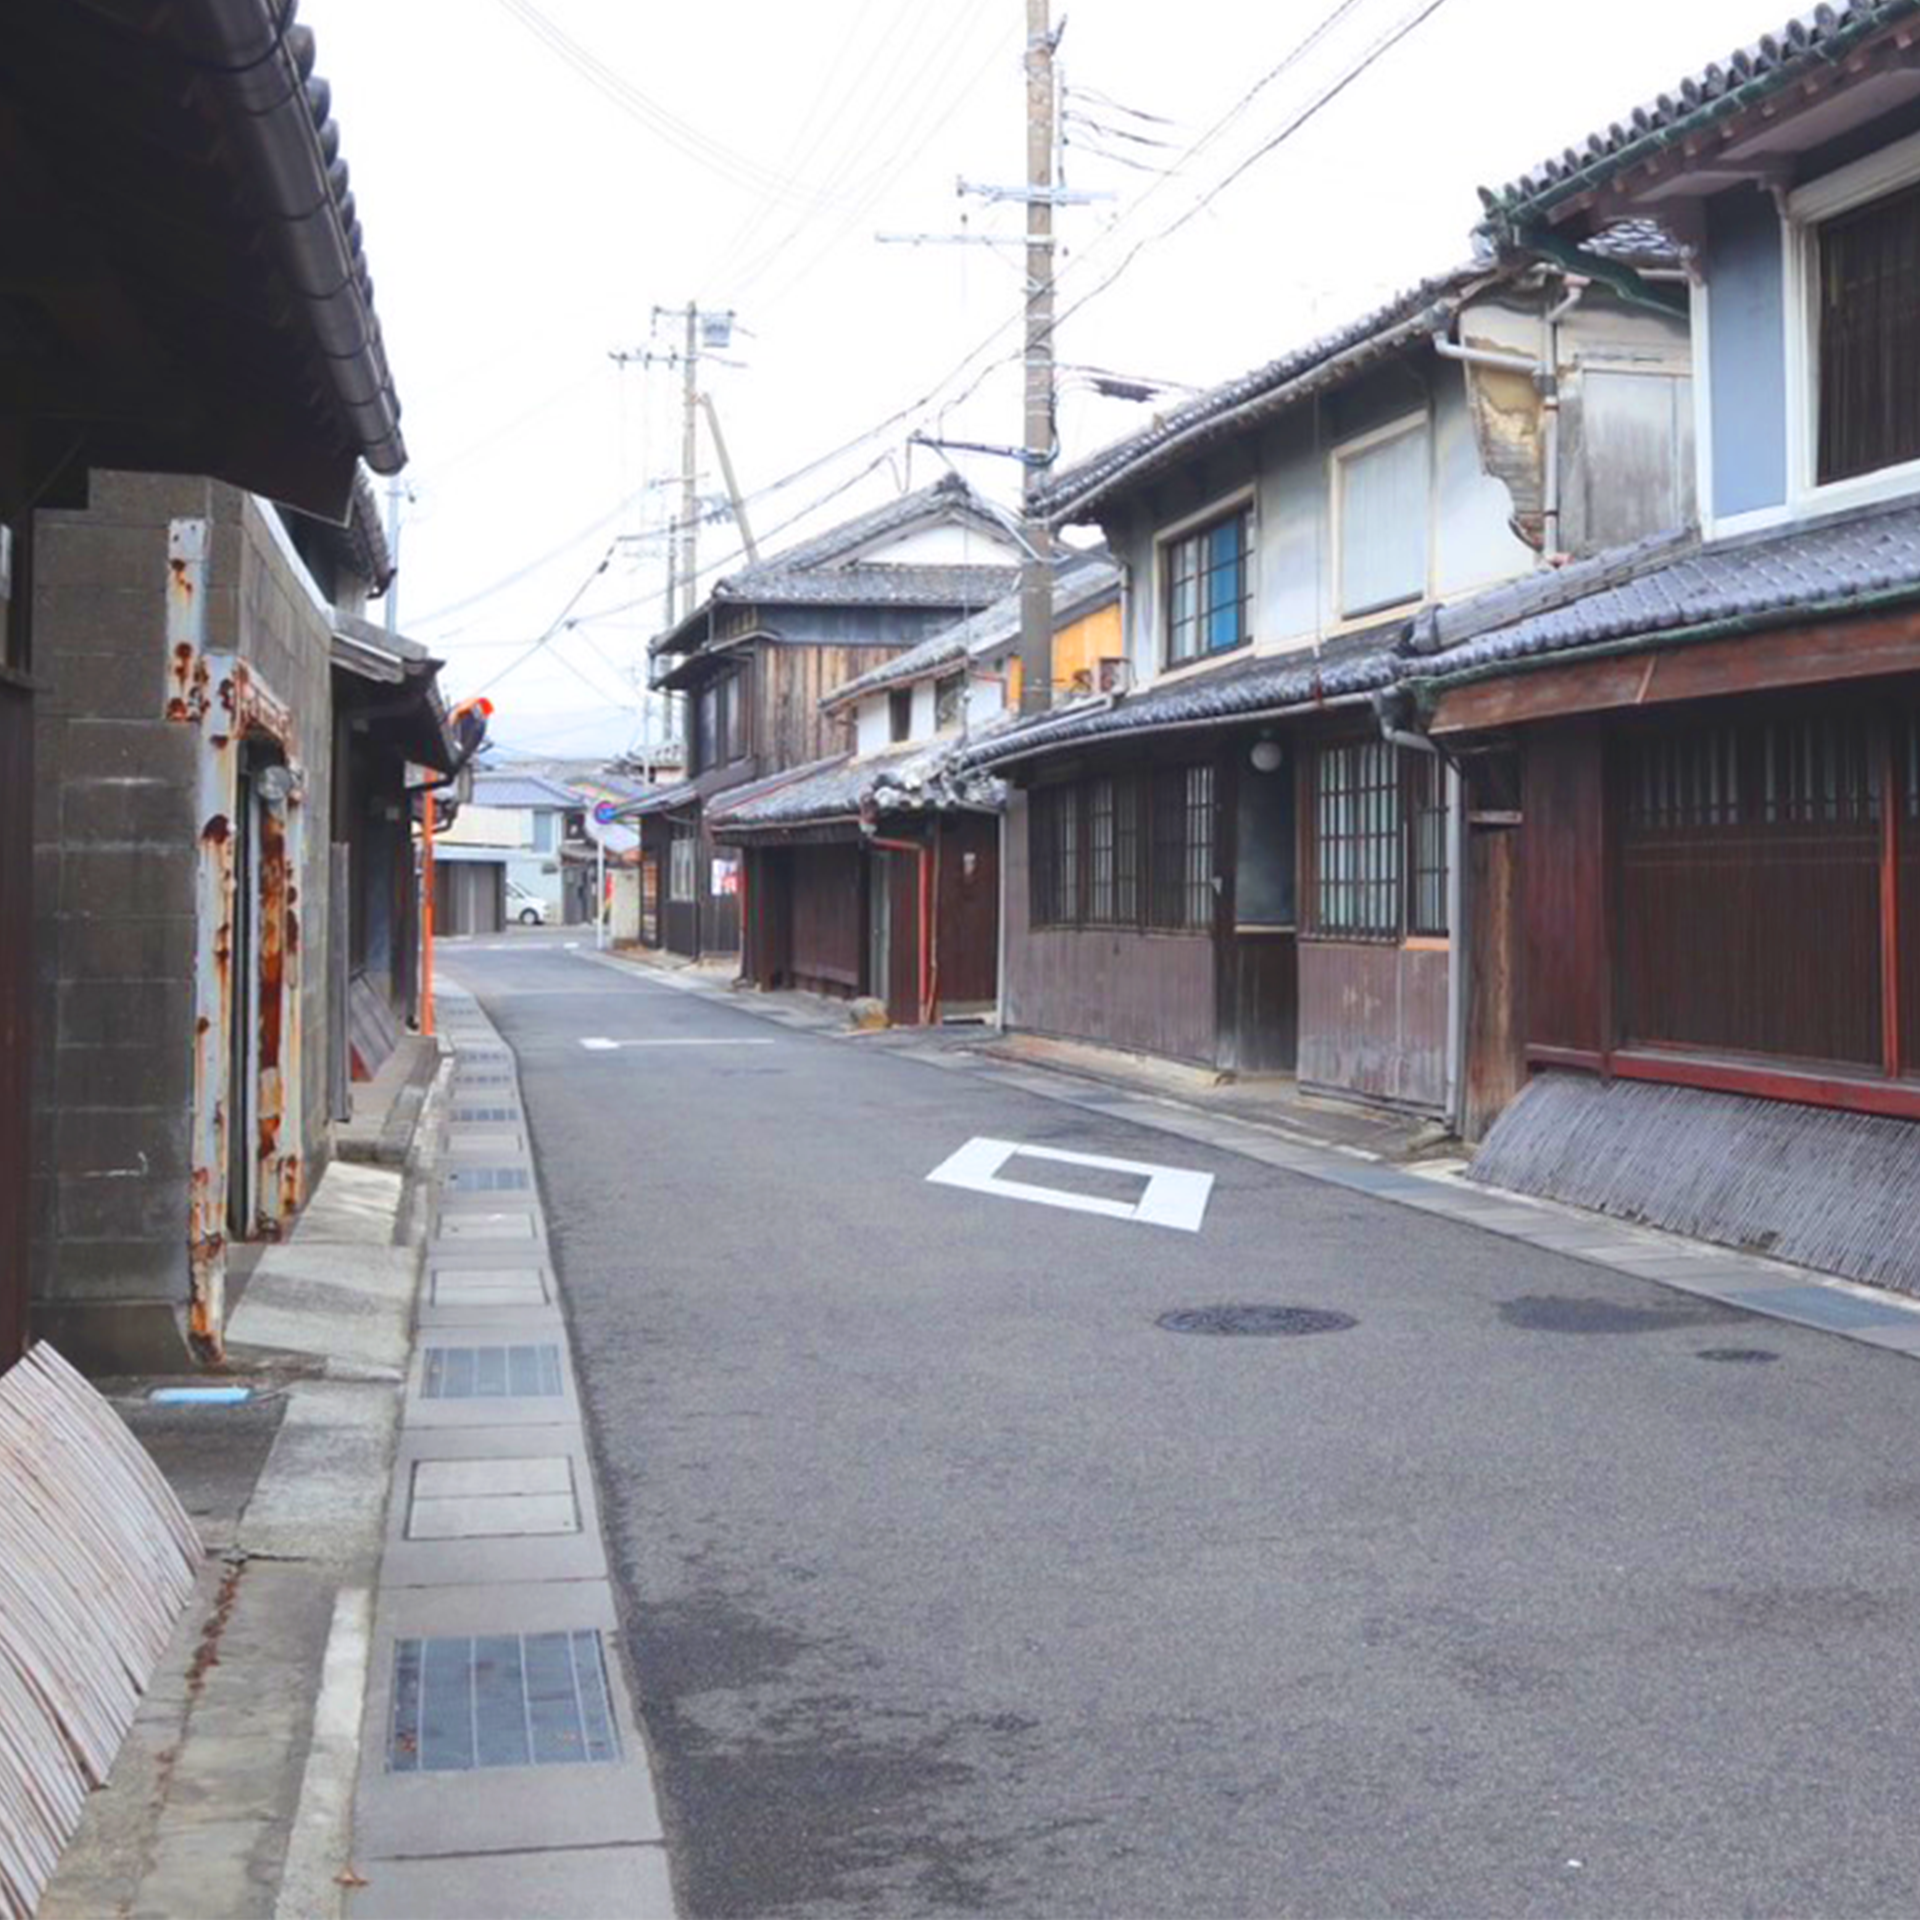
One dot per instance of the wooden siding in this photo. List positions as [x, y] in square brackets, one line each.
[899, 873]
[967, 913]
[1373, 1020]
[1151, 992]
[1265, 989]
[16, 987]
[1564, 889]
[1496, 1063]
[789, 683]
[1836, 650]
[828, 918]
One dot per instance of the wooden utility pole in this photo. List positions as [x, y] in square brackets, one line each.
[689, 457]
[1036, 572]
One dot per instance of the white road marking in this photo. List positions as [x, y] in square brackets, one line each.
[613, 1046]
[1175, 1197]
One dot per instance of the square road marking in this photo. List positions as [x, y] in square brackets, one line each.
[1175, 1197]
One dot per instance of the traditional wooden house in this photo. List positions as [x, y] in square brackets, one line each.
[878, 871]
[1230, 861]
[1708, 753]
[244, 347]
[757, 657]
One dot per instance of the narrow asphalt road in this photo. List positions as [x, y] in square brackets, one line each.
[953, 1582]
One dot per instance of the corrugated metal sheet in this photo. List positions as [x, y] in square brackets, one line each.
[1827, 1189]
[97, 1558]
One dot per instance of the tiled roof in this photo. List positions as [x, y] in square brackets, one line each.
[1809, 42]
[1420, 310]
[861, 585]
[950, 490]
[662, 800]
[1845, 564]
[932, 774]
[1080, 579]
[1242, 692]
[522, 790]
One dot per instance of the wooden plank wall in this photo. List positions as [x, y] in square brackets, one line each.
[829, 924]
[967, 910]
[1373, 1020]
[1564, 890]
[1496, 1064]
[899, 873]
[790, 681]
[1150, 992]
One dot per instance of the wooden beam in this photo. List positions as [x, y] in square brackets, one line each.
[1831, 651]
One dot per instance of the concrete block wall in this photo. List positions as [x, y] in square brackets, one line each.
[115, 849]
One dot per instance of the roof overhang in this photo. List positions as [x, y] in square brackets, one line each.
[1746, 122]
[393, 682]
[186, 288]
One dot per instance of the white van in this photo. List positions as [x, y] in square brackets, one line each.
[527, 907]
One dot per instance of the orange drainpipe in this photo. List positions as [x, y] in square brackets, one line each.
[919, 850]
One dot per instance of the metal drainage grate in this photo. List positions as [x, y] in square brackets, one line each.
[491, 1373]
[470, 1115]
[464, 1080]
[1744, 1356]
[488, 1180]
[1256, 1320]
[508, 1700]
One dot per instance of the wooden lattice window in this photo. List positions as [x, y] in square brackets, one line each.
[1101, 826]
[1869, 348]
[1427, 876]
[1358, 826]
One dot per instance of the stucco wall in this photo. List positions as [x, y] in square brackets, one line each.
[1747, 352]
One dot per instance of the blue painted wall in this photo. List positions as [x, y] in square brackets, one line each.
[1746, 326]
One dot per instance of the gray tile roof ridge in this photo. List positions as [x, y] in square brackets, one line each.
[498, 782]
[1081, 578]
[1748, 74]
[1267, 684]
[1428, 299]
[863, 583]
[817, 549]
[1763, 578]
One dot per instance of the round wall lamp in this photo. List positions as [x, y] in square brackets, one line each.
[1267, 756]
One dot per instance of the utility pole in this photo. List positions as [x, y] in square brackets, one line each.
[393, 554]
[1036, 571]
[689, 455]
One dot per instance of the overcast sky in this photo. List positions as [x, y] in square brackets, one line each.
[528, 204]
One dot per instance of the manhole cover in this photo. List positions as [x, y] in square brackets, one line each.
[1748, 1356]
[1257, 1320]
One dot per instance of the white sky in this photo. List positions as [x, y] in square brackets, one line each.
[523, 221]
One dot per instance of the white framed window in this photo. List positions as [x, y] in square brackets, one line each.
[1382, 529]
[1852, 285]
[1206, 584]
[949, 700]
[683, 871]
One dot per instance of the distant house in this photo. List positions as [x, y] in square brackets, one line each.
[878, 872]
[755, 660]
[502, 860]
[1708, 749]
[1233, 857]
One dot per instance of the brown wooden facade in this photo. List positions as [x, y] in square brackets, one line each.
[908, 914]
[1285, 945]
[1717, 885]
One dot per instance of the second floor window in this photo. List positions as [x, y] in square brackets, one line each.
[1209, 588]
[900, 714]
[1868, 379]
[949, 701]
[1381, 496]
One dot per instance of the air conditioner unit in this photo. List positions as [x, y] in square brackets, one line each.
[1113, 674]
